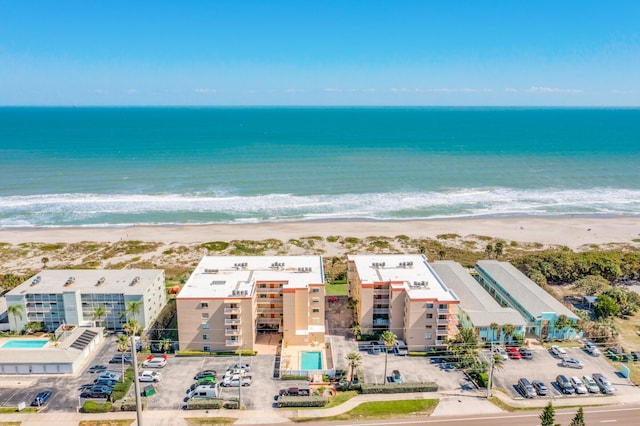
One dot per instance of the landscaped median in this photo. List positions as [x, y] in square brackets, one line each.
[371, 410]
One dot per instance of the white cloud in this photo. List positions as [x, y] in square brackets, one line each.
[439, 90]
[510, 90]
[293, 91]
[622, 92]
[331, 90]
[539, 89]
[204, 90]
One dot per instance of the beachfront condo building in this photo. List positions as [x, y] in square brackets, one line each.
[546, 317]
[478, 310]
[88, 298]
[403, 294]
[228, 300]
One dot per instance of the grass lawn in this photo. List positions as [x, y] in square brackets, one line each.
[341, 398]
[382, 410]
[630, 341]
[210, 420]
[125, 422]
[5, 410]
[335, 289]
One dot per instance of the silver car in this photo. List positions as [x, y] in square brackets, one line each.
[580, 388]
[590, 384]
[572, 363]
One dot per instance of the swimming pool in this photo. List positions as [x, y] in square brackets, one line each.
[311, 360]
[24, 343]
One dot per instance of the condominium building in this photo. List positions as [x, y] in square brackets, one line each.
[402, 293]
[512, 288]
[229, 299]
[73, 297]
[478, 310]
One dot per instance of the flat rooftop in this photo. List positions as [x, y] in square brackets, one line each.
[236, 276]
[412, 271]
[121, 281]
[481, 308]
[529, 295]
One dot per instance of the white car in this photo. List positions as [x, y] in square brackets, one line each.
[590, 384]
[592, 349]
[558, 351]
[572, 363]
[499, 350]
[578, 385]
[243, 366]
[149, 376]
[235, 381]
[154, 363]
[234, 372]
[108, 375]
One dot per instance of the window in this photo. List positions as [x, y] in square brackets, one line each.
[205, 315]
[206, 348]
[204, 305]
[315, 300]
[428, 336]
[204, 326]
[315, 310]
[263, 286]
[429, 326]
[429, 305]
[315, 290]
[206, 336]
[429, 316]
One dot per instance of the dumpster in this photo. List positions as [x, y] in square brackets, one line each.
[149, 390]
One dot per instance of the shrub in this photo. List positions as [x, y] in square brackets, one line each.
[293, 377]
[222, 353]
[302, 401]
[205, 404]
[215, 245]
[96, 407]
[418, 353]
[399, 388]
[128, 405]
[121, 389]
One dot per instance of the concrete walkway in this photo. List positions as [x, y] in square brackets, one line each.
[453, 403]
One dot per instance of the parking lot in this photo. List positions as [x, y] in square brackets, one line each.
[545, 367]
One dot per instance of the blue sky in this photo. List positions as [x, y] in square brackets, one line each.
[557, 53]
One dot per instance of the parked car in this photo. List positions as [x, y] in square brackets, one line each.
[590, 384]
[558, 351]
[243, 366]
[201, 382]
[205, 391]
[234, 372]
[375, 348]
[397, 377]
[526, 388]
[154, 362]
[513, 353]
[97, 369]
[540, 388]
[591, 348]
[294, 392]
[205, 373]
[401, 348]
[572, 363]
[109, 375]
[578, 385]
[603, 383]
[117, 359]
[235, 381]
[97, 392]
[149, 376]
[525, 353]
[499, 351]
[86, 386]
[41, 398]
[565, 385]
[105, 382]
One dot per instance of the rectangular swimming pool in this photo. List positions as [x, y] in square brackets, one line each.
[310, 360]
[24, 343]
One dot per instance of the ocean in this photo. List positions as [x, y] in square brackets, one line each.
[124, 166]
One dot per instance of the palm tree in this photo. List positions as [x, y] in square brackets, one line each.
[357, 330]
[133, 309]
[442, 253]
[508, 330]
[355, 360]
[131, 327]
[495, 327]
[123, 345]
[16, 311]
[498, 249]
[165, 345]
[44, 261]
[390, 340]
[488, 249]
[98, 313]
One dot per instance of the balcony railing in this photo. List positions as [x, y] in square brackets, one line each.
[260, 310]
[232, 321]
[269, 290]
[229, 311]
[268, 320]
[441, 342]
[381, 310]
[231, 332]
[442, 332]
[380, 291]
[234, 342]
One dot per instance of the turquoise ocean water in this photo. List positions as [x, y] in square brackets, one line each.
[119, 166]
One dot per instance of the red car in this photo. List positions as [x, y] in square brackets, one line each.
[513, 352]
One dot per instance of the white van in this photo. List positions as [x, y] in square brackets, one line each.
[205, 391]
[155, 362]
[401, 348]
[149, 376]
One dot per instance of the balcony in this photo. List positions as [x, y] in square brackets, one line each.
[233, 342]
[269, 320]
[442, 332]
[269, 290]
[230, 311]
[441, 342]
[260, 310]
[381, 292]
[234, 321]
[443, 311]
[231, 332]
[381, 311]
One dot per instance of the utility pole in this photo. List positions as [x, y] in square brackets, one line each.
[241, 377]
[490, 381]
[136, 383]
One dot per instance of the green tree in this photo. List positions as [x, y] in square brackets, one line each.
[606, 307]
[498, 249]
[508, 330]
[488, 250]
[17, 313]
[578, 420]
[165, 345]
[560, 325]
[591, 285]
[132, 309]
[464, 347]
[44, 261]
[390, 340]
[357, 331]
[495, 328]
[537, 277]
[547, 418]
[355, 360]
[98, 313]
[442, 253]
[131, 327]
[123, 344]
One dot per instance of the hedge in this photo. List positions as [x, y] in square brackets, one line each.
[121, 389]
[96, 407]
[302, 401]
[417, 353]
[399, 387]
[292, 377]
[205, 404]
[221, 353]
[128, 405]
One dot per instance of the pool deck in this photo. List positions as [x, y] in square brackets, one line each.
[291, 359]
[4, 340]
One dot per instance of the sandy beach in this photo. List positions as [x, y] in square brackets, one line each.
[574, 232]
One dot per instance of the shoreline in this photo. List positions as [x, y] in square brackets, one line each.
[573, 232]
